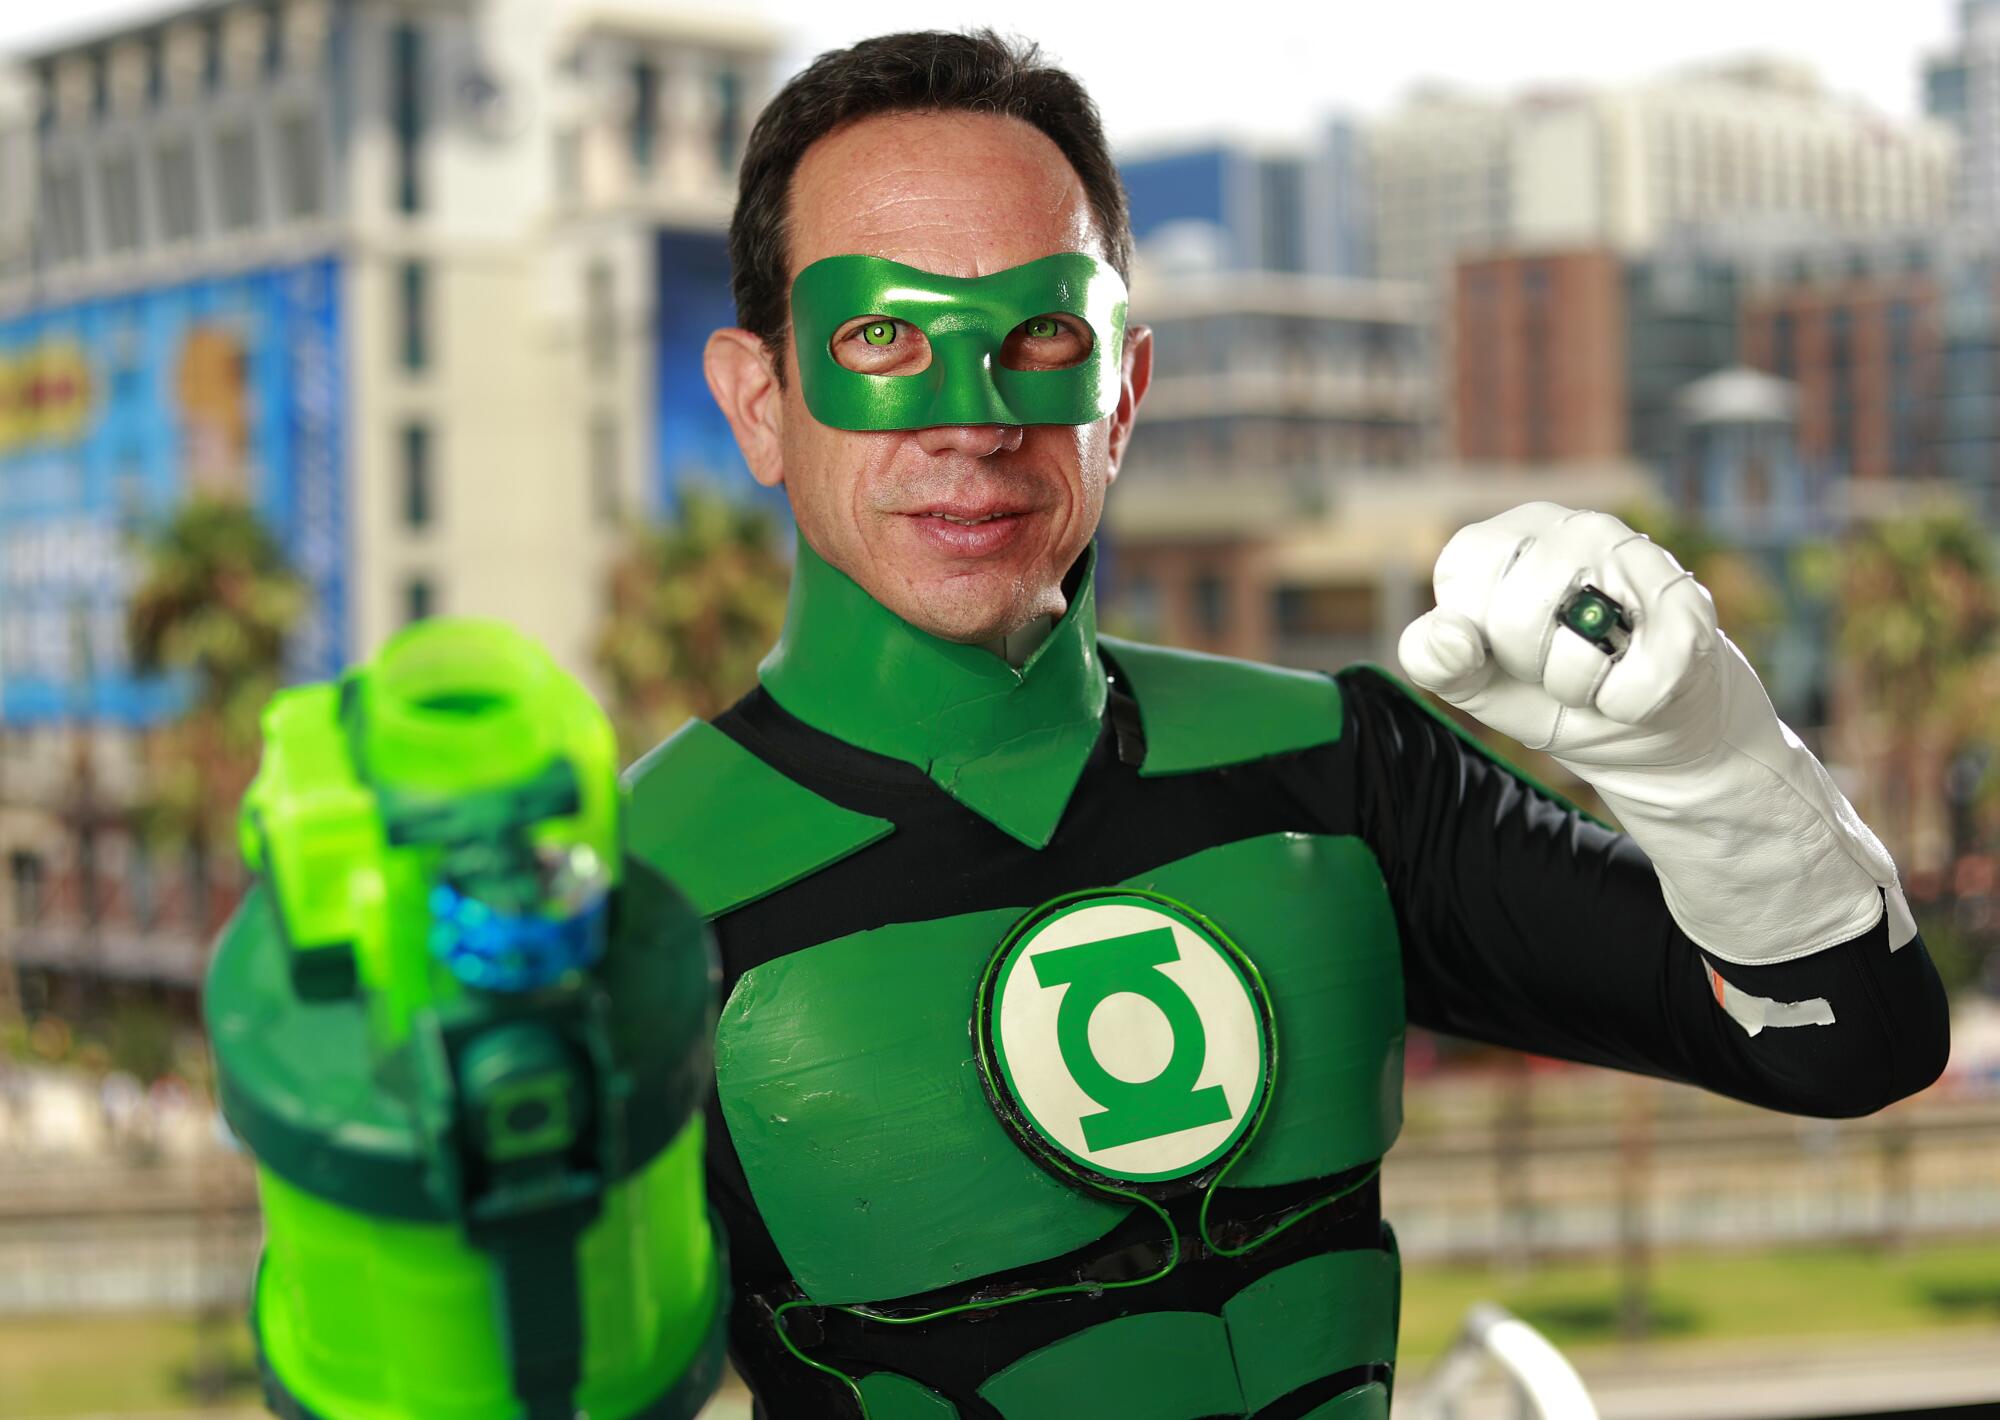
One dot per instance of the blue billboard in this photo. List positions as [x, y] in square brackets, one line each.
[114, 409]
[692, 440]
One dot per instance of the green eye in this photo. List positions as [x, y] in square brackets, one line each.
[881, 332]
[1042, 328]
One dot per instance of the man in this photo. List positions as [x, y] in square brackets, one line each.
[1066, 979]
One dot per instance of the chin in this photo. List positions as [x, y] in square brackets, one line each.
[967, 618]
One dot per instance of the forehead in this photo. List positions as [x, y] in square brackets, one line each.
[960, 194]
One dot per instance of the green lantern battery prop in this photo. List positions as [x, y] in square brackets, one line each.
[467, 1041]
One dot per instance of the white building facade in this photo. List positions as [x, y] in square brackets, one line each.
[1625, 166]
[423, 281]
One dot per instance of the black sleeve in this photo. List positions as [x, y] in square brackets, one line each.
[1526, 924]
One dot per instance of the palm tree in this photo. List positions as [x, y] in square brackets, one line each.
[215, 601]
[1919, 614]
[695, 603]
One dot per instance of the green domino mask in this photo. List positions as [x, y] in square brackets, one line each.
[967, 322]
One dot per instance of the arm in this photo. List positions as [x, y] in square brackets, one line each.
[1529, 925]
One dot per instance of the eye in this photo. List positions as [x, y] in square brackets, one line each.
[880, 345]
[1047, 342]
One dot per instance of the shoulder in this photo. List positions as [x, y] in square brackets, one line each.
[1202, 712]
[725, 827]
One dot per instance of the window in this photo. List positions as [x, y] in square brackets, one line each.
[299, 165]
[406, 63]
[141, 892]
[600, 317]
[728, 118]
[64, 188]
[24, 870]
[413, 317]
[119, 181]
[418, 501]
[1140, 603]
[1211, 604]
[174, 181]
[605, 494]
[156, 70]
[236, 167]
[645, 106]
[274, 41]
[569, 165]
[419, 599]
[100, 85]
[211, 54]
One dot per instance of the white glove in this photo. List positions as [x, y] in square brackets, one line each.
[1760, 856]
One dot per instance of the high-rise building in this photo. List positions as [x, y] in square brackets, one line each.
[1539, 358]
[424, 284]
[1232, 206]
[1962, 90]
[1623, 167]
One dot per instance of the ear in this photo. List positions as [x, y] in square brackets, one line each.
[1136, 373]
[745, 385]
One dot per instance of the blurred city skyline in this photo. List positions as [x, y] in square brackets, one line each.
[1278, 70]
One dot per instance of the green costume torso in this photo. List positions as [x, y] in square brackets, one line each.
[860, 1157]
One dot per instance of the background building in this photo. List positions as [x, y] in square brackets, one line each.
[1625, 166]
[1229, 206]
[1962, 91]
[419, 282]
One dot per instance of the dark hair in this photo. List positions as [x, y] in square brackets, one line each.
[976, 72]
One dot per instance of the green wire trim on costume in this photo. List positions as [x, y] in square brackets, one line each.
[1102, 1185]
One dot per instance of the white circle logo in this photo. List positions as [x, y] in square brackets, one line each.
[1124, 1038]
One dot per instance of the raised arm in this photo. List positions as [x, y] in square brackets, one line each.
[1527, 924]
[1749, 898]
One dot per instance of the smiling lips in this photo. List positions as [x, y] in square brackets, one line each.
[969, 530]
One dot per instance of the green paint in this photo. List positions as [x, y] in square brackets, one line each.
[1313, 913]
[893, 1397]
[1202, 712]
[966, 321]
[698, 789]
[850, 1091]
[1152, 1366]
[1008, 744]
[854, 1101]
[378, 1318]
[1364, 1402]
[1133, 1110]
[1316, 1317]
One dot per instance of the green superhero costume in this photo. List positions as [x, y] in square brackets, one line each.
[1062, 1006]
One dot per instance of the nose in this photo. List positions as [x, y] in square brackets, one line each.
[974, 440]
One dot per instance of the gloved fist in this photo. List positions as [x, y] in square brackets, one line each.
[1495, 646]
[1760, 856]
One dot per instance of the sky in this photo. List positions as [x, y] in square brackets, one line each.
[1272, 67]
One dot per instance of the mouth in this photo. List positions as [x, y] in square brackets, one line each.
[970, 514]
[978, 530]
[967, 522]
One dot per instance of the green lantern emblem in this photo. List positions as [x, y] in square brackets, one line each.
[1125, 1041]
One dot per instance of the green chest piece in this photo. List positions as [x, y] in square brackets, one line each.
[981, 332]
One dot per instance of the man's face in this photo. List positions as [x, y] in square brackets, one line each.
[963, 531]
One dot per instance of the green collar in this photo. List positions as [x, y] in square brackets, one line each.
[1008, 744]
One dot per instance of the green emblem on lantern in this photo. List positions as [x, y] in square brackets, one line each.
[1125, 1040]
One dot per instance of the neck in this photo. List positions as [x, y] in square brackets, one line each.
[1008, 741]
